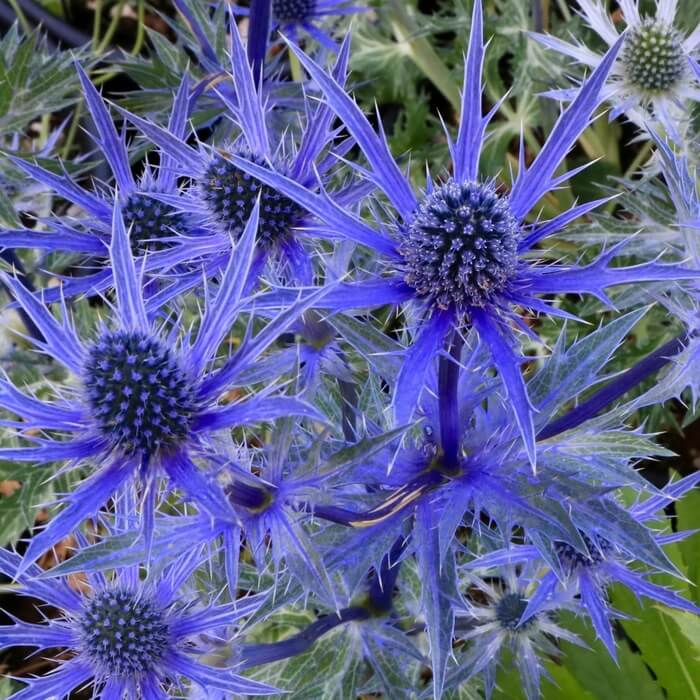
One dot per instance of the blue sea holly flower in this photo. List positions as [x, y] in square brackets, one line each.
[495, 613]
[653, 78]
[127, 636]
[224, 194]
[463, 250]
[292, 17]
[586, 575]
[171, 236]
[267, 516]
[145, 403]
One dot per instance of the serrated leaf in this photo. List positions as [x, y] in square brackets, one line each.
[129, 548]
[438, 611]
[328, 670]
[376, 347]
[688, 514]
[567, 372]
[18, 509]
[663, 646]
[689, 625]
[352, 455]
[387, 651]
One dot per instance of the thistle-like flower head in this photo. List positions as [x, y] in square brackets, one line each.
[583, 572]
[461, 247]
[496, 614]
[146, 403]
[223, 194]
[126, 636]
[162, 233]
[654, 76]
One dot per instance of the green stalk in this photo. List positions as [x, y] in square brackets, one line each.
[140, 30]
[419, 50]
[96, 24]
[72, 130]
[109, 34]
[23, 22]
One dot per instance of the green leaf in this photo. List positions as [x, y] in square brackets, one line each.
[588, 674]
[663, 646]
[18, 510]
[8, 215]
[688, 514]
[573, 369]
[376, 347]
[689, 625]
[356, 453]
[327, 671]
[387, 649]
[128, 549]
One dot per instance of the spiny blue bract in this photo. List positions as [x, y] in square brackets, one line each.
[141, 396]
[461, 245]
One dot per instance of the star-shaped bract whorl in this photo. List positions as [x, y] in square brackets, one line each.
[126, 636]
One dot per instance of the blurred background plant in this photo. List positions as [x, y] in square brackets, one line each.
[407, 57]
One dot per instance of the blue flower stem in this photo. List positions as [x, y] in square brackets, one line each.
[381, 587]
[349, 398]
[616, 388]
[256, 654]
[448, 400]
[258, 34]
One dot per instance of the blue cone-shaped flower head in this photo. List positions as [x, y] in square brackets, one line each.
[653, 80]
[152, 210]
[295, 17]
[127, 636]
[463, 250]
[223, 194]
[146, 403]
